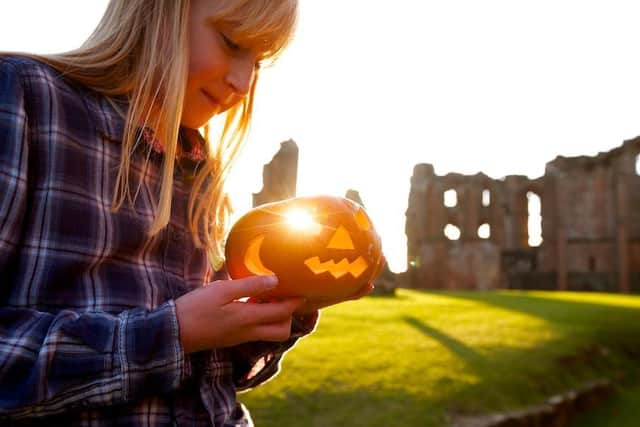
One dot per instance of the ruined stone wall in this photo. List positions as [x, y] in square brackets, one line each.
[590, 208]
[582, 233]
[585, 201]
[628, 228]
[628, 163]
[279, 177]
[596, 212]
[472, 261]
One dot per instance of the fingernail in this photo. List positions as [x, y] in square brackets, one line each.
[270, 282]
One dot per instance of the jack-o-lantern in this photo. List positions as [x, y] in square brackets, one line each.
[320, 247]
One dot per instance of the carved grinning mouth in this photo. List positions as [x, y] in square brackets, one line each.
[339, 269]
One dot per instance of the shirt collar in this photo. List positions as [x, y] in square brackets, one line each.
[192, 147]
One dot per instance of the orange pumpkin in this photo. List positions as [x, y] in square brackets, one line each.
[320, 247]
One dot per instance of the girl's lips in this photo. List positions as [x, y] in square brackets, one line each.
[211, 99]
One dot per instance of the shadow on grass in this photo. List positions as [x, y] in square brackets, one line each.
[547, 308]
[608, 321]
[610, 343]
[457, 347]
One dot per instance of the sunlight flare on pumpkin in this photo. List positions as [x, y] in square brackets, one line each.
[302, 220]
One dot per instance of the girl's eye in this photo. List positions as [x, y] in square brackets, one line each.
[230, 43]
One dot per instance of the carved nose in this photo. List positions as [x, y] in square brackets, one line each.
[340, 239]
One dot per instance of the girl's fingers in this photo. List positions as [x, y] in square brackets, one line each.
[247, 287]
[265, 313]
[280, 331]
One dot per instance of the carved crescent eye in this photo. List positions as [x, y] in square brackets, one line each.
[252, 258]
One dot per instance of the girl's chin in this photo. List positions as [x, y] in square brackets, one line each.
[195, 122]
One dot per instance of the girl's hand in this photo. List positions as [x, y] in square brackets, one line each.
[213, 317]
[311, 306]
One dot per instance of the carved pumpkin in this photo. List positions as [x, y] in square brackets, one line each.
[320, 247]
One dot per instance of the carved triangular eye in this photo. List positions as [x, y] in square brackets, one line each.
[341, 239]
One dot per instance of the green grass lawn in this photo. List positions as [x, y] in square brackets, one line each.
[416, 358]
[622, 410]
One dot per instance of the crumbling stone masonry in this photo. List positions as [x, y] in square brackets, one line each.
[279, 177]
[590, 210]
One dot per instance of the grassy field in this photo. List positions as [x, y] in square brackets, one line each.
[419, 357]
[623, 410]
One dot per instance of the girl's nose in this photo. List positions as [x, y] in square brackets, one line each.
[241, 74]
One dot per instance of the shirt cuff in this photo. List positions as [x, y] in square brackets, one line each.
[302, 325]
[256, 362]
[150, 352]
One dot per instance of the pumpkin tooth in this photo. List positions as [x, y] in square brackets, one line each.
[337, 270]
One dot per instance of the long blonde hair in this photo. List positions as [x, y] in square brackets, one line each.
[140, 50]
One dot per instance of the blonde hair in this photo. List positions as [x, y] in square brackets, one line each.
[140, 50]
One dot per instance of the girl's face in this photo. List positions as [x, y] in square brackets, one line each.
[221, 71]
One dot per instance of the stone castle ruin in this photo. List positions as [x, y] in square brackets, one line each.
[280, 176]
[475, 232]
[590, 227]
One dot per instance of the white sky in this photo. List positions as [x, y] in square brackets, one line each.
[370, 88]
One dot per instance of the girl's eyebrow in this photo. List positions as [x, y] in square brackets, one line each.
[226, 28]
[225, 24]
[259, 46]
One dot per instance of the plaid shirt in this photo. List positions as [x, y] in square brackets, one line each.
[88, 328]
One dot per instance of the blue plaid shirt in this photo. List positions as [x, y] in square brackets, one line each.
[88, 329]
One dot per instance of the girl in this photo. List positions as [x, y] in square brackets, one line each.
[112, 212]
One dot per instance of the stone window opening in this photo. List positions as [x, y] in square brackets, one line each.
[637, 164]
[486, 197]
[534, 220]
[592, 264]
[484, 231]
[451, 198]
[452, 232]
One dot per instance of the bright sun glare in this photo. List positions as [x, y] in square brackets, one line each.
[302, 220]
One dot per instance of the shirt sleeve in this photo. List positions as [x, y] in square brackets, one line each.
[257, 362]
[54, 362]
